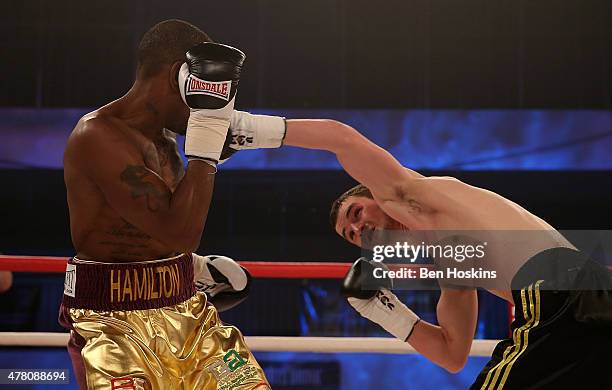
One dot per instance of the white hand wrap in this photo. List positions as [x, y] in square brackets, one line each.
[206, 128]
[205, 136]
[388, 312]
[256, 131]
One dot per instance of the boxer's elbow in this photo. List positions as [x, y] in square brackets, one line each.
[345, 137]
[454, 353]
[454, 363]
[188, 244]
[192, 246]
[6, 281]
[193, 238]
[183, 242]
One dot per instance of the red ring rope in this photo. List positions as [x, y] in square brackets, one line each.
[258, 269]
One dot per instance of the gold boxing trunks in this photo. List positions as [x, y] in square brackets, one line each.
[144, 326]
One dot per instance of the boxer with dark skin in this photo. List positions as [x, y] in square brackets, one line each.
[6, 281]
[129, 195]
[135, 295]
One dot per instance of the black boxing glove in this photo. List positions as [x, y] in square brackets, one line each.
[225, 282]
[378, 305]
[359, 281]
[208, 83]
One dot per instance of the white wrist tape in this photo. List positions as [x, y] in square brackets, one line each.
[388, 311]
[205, 135]
[260, 131]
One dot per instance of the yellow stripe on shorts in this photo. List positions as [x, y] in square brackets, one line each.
[537, 321]
[517, 336]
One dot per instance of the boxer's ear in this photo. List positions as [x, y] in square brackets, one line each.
[174, 72]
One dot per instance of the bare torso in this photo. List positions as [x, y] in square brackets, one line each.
[98, 231]
[513, 234]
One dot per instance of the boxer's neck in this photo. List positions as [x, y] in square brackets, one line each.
[142, 108]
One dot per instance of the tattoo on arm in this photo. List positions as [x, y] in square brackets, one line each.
[137, 177]
[179, 168]
[414, 207]
[174, 157]
[161, 151]
[166, 152]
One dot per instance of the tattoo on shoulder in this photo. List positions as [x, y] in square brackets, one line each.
[400, 192]
[137, 178]
[178, 167]
[414, 206]
[161, 152]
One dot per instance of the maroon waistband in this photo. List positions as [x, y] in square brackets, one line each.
[128, 286]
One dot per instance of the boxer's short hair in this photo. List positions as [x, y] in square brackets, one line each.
[166, 43]
[358, 190]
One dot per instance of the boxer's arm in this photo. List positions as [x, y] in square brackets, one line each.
[365, 161]
[449, 343]
[6, 280]
[140, 195]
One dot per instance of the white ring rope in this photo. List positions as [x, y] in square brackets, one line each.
[270, 343]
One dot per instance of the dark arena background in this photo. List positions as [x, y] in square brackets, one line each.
[511, 96]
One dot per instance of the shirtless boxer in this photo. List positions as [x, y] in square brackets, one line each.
[137, 320]
[561, 338]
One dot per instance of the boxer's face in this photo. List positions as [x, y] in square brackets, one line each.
[180, 115]
[177, 122]
[358, 217]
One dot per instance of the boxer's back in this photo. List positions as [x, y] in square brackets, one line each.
[98, 231]
[512, 234]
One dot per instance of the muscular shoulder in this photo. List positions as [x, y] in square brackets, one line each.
[422, 187]
[97, 144]
[456, 188]
[96, 127]
[444, 193]
[425, 195]
[94, 132]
